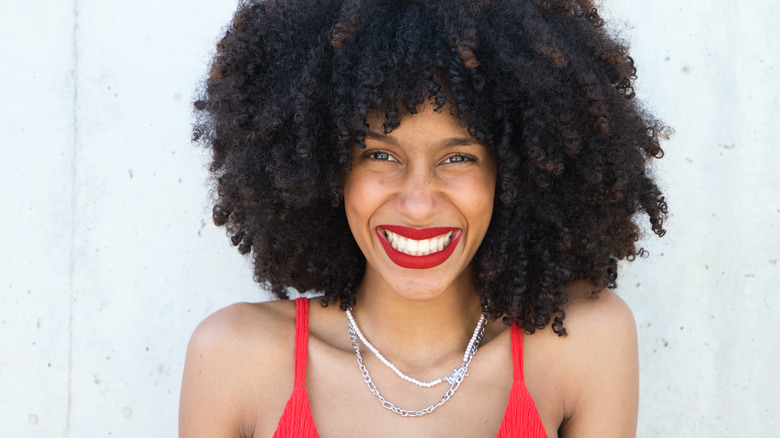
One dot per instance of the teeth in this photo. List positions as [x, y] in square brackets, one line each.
[418, 247]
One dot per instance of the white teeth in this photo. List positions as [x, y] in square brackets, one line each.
[418, 247]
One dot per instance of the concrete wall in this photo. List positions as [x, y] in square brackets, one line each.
[108, 258]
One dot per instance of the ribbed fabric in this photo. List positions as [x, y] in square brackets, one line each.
[296, 421]
[521, 418]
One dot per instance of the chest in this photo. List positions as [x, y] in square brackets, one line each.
[342, 404]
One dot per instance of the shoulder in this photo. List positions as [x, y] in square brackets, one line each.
[601, 318]
[250, 325]
[601, 364]
[601, 334]
[240, 361]
[598, 323]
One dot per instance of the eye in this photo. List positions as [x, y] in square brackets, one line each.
[458, 158]
[379, 156]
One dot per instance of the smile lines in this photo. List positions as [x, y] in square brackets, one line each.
[418, 247]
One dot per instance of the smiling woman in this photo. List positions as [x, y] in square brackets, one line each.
[458, 180]
[426, 182]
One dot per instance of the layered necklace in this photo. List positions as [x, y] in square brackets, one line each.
[453, 379]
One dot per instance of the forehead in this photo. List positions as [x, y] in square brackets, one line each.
[427, 123]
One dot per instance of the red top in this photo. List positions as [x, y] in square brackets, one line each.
[521, 418]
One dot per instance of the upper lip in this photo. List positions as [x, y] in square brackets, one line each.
[417, 233]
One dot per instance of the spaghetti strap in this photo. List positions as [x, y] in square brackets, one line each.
[296, 420]
[521, 417]
[301, 339]
[517, 353]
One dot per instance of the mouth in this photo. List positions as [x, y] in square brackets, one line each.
[418, 248]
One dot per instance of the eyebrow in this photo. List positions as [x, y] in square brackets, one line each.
[447, 143]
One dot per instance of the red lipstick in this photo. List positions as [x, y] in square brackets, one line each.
[417, 262]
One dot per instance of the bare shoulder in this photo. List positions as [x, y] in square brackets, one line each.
[253, 326]
[601, 364]
[597, 317]
[239, 362]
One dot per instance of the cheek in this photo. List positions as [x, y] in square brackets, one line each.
[482, 211]
[480, 197]
[355, 194]
[351, 203]
[360, 202]
[489, 189]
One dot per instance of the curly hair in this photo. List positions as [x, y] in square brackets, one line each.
[541, 82]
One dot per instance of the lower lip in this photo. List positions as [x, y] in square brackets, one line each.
[417, 262]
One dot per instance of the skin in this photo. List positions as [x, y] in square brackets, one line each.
[428, 172]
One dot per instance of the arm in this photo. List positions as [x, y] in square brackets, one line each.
[210, 404]
[604, 373]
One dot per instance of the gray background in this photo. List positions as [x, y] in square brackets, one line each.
[108, 258]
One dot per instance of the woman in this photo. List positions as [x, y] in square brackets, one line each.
[459, 179]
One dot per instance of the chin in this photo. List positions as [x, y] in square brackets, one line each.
[416, 290]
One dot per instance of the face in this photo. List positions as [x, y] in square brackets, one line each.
[419, 201]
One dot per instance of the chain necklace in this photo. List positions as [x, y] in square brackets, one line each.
[454, 380]
[450, 379]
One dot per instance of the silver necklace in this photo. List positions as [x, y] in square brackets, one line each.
[450, 379]
[454, 380]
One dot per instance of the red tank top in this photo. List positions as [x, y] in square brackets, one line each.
[521, 418]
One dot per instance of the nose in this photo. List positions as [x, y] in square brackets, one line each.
[418, 196]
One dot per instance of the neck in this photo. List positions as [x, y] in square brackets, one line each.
[417, 334]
